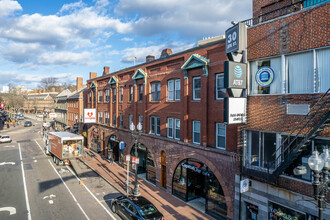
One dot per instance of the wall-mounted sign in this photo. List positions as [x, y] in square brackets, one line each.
[52, 115]
[236, 38]
[235, 75]
[265, 76]
[89, 115]
[121, 145]
[195, 168]
[235, 110]
[244, 185]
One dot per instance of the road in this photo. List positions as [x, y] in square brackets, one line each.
[33, 187]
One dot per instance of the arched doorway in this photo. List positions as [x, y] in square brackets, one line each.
[113, 149]
[95, 141]
[196, 184]
[163, 179]
[146, 167]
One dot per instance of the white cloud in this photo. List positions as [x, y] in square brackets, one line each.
[127, 39]
[65, 57]
[7, 7]
[72, 7]
[21, 52]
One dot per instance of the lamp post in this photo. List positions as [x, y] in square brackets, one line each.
[136, 136]
[320, 164]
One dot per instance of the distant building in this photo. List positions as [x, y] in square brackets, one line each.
[5, 89]
[39, 102]
[61, 110]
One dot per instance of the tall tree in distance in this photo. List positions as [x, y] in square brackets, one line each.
[48, 83]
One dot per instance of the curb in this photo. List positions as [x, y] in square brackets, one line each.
[118, 189]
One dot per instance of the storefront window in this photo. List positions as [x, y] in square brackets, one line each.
[278, 212]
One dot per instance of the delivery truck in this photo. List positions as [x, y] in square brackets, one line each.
[64, 146]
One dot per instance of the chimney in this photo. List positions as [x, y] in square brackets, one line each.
[165, 53]
[39, 91]
[44, 91]
[53, 89]
[106, 70]
[92, 75]
[79, 83]
[150, 58]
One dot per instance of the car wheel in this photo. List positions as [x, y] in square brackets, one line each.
[113, 208]
[57, 161]
[54, 159]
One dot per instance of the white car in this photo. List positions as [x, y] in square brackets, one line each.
[5, 139]
[40, 115]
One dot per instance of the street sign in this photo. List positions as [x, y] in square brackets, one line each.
[236, 38]
[128, 157]
[135, 160]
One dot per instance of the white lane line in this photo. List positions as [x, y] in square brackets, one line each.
[40, 147]
[74, 198]
[109, 213]
[24, 183]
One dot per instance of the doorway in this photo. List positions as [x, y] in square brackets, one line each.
[163, 181]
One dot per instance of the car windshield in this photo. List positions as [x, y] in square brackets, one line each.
[5, 137]
[147, 209]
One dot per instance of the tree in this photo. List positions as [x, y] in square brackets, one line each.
[48, 83]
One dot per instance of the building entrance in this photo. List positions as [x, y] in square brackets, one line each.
[113, 149]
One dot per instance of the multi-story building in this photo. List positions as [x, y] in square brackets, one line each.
[184, 146]
[61, 110]
[288, 103]
[39, 102]
[75, 105]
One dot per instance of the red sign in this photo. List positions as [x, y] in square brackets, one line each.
[2, 105]
[135, 160]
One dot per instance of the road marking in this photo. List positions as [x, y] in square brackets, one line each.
[11, 210]
[74, 198]
[35, 161]
[63, 171]
[4, 163]
[10, 146]
[24, 183]
[51, 202]
[50, 196]
[92, 194]
[40, 147]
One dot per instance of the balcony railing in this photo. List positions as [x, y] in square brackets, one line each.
[295, 6]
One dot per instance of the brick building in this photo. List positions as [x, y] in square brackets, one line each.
[39, 102]
[288, 108]
[76, 104]
[184, 146]
[61, 110]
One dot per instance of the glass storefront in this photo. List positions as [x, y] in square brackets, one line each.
[192, 180]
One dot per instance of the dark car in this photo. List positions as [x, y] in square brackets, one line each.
[28, 124]
[135, 208]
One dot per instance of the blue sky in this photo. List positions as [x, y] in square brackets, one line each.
[66, 39]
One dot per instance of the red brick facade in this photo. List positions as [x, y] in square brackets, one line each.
[207, 110]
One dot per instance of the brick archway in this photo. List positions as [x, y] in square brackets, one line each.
[209, 164]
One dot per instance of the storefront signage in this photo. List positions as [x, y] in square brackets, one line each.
[89, 115]
[128, 157]
[196, 169]
[52, 115]
[235, 110]
[135, 160]
[121, 145]
[236, 38]
[244, 185]
[265, 76]
[235, 75]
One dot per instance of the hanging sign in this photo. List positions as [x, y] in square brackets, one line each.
[235, 110]
[235, 75]
[244, 185]
[121, 145]
[236, 38]
[265, 76]
[128, 157]
[135, 160]
[89, 115]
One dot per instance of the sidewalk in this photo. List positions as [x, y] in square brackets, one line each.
[170, 206]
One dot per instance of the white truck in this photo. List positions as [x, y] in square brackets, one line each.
[63, 146]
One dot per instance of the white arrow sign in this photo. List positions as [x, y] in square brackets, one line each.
[10, 146]
[11, 210]
[4, 163]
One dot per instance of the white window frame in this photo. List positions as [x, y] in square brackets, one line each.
[107, 95]
[154, 127]
[155, 94]
[217, 134]
[114, 95]
[219, 75]
[171, 124]
[193, 132]
[175, 88]
[130, 119]
[100, 98]
[194, 89]
[141, 121]
[100, 117]
[121, 91]
[130, 94]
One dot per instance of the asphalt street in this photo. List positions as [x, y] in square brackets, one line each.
[33, 187]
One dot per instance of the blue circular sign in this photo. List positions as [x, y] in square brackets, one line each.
[238, 71]
[121, 145]
[265, 76]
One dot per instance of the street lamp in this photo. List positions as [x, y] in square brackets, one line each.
[320, 164]
[136, 136]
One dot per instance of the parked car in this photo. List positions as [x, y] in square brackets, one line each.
[28, 124]
[20, 117]
[40, 115]
[5, 139]
[132, 207]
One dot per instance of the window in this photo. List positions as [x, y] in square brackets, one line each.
[114, 94]
[220, 136]
[220, 91]
[130, 120]
[107, 95]
[121, 118]
[196, 132]
[107, 118]
[130, 93]
[100, 117]
[114, 119]
[121, 94]
[173, 128]
[173, 90]
[155, 91]
[89, 97]
[196, 88]
[141, 92]
[141, 121]
[100, 96]
[155, 125]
